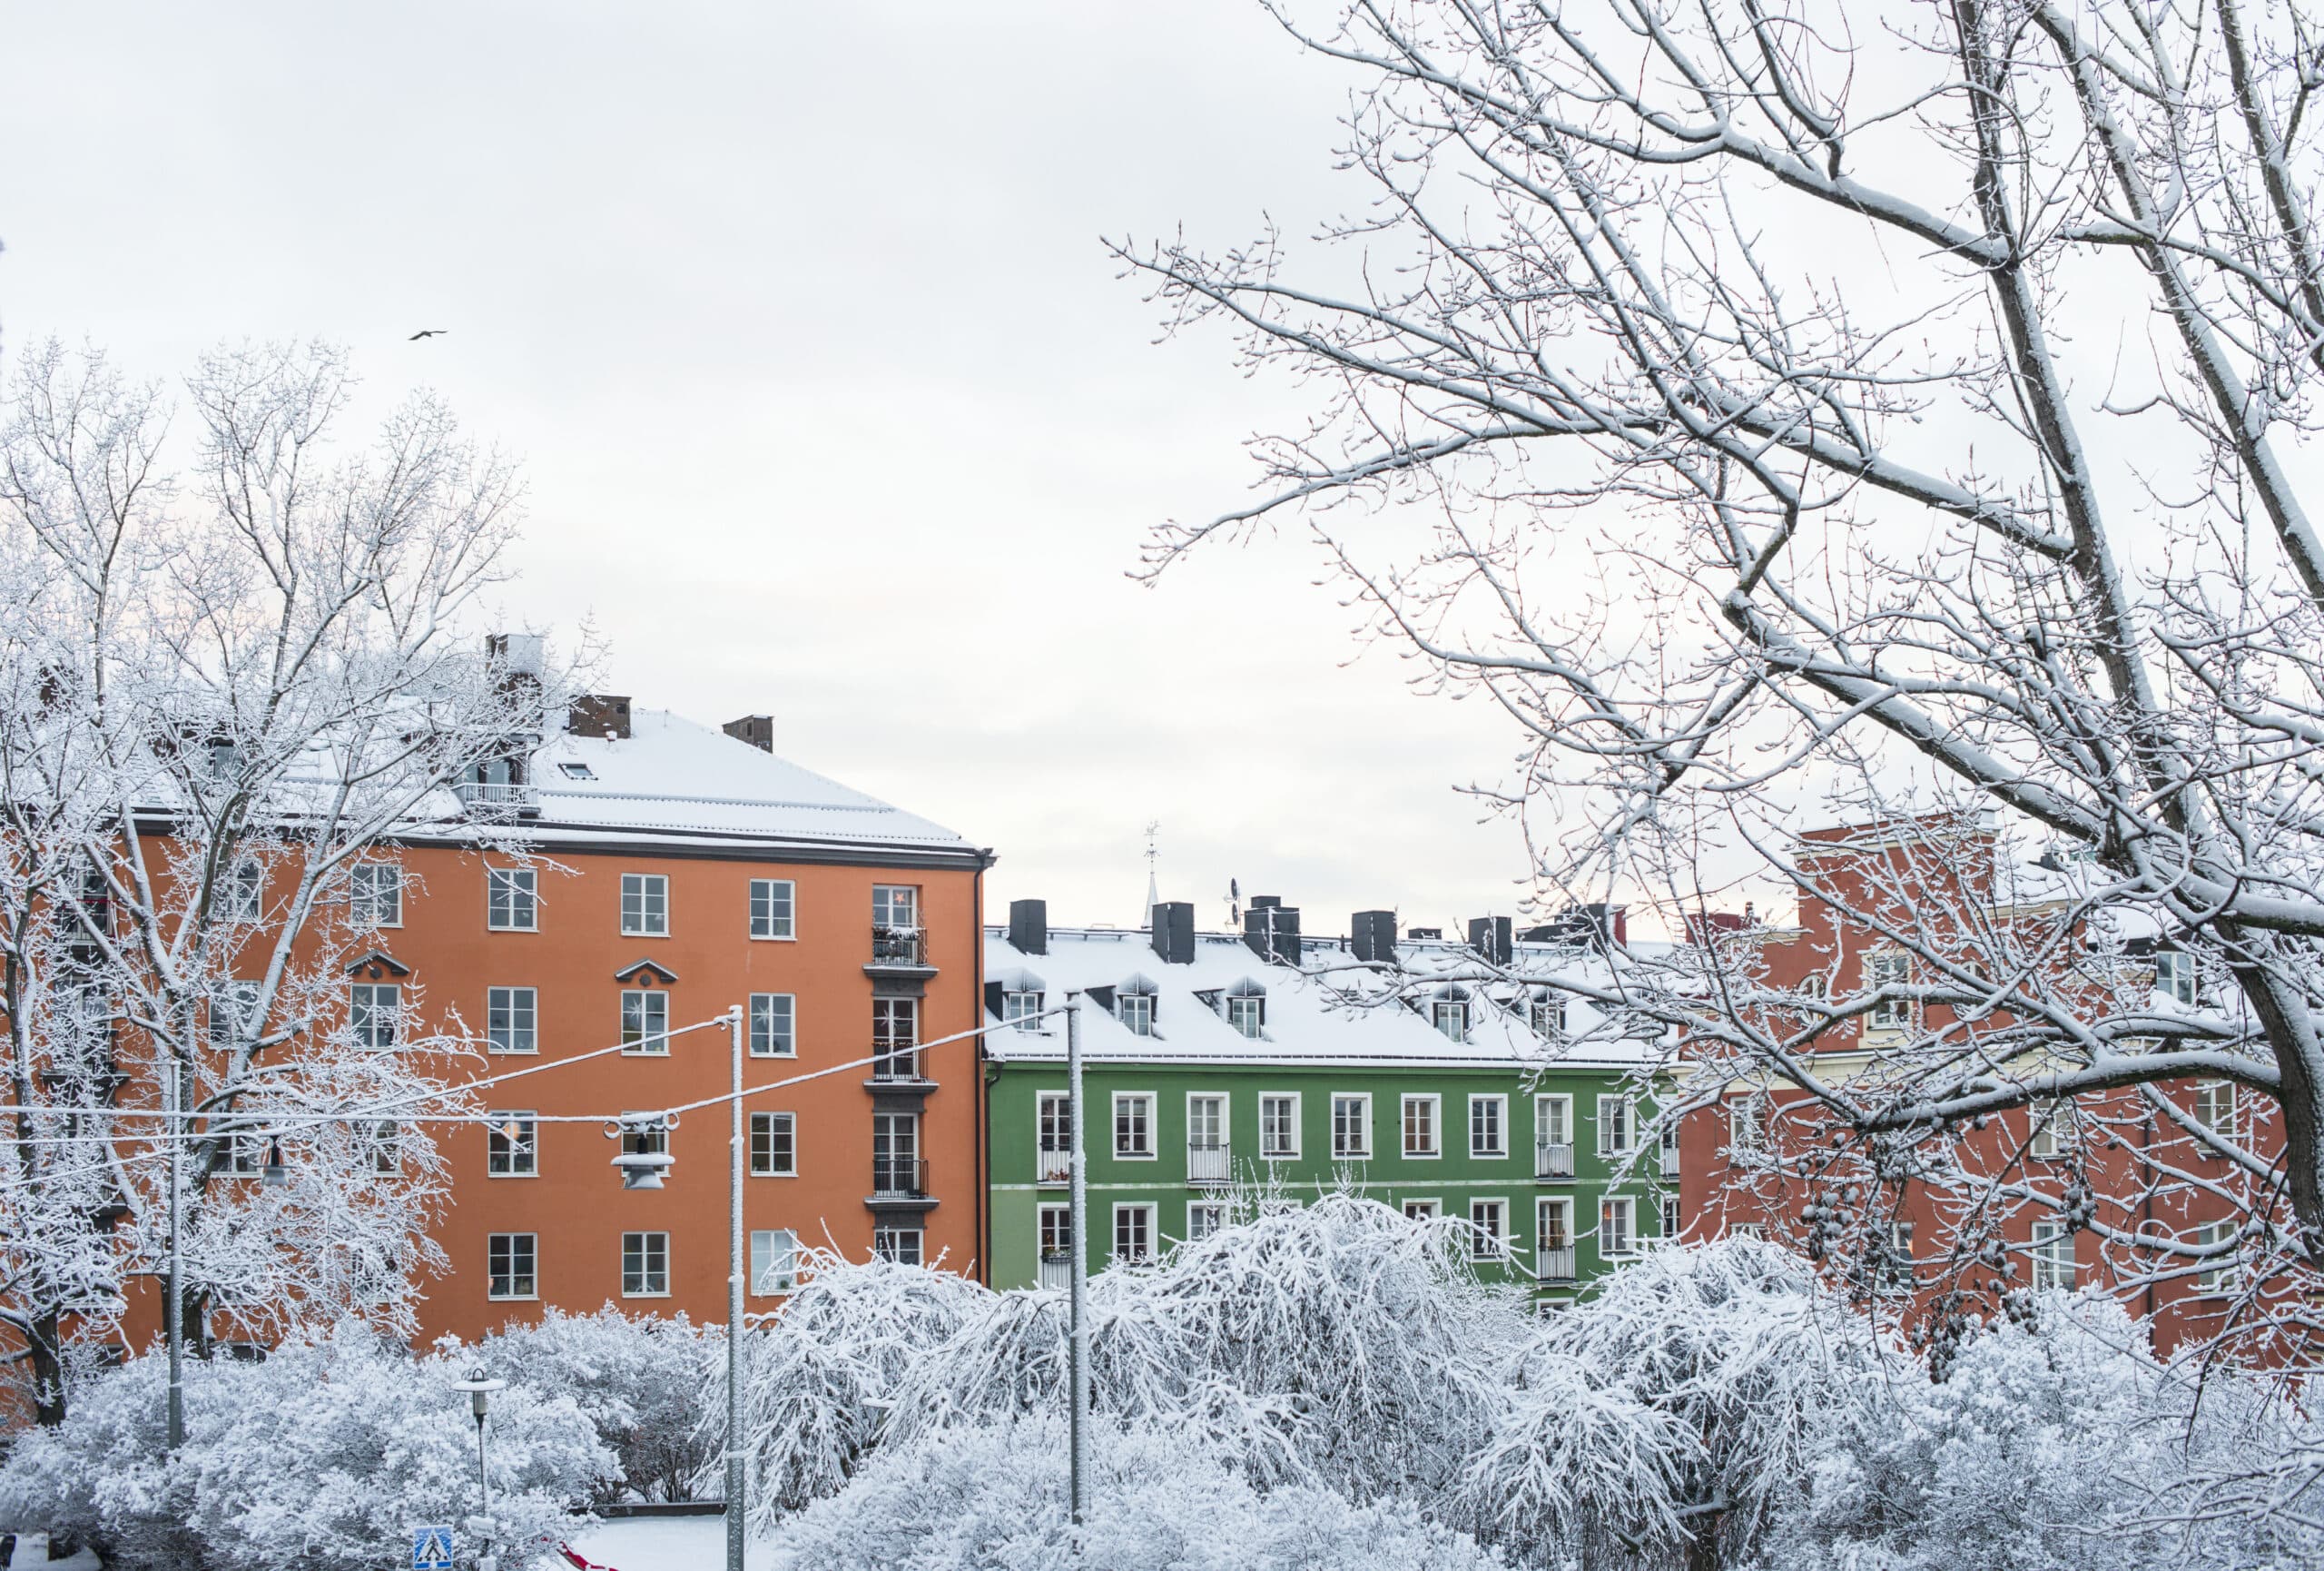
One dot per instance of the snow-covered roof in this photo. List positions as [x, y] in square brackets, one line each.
[1329, 1010]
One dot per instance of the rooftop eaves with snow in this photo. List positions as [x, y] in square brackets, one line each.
[1329, 1009]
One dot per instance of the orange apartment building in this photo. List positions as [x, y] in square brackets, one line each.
[662, 874]
[2109, 1149]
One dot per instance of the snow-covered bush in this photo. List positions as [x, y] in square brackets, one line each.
[2059, 1443]
[992, 1496]
[819, 1377]
[318, 1459]
[638, 1377]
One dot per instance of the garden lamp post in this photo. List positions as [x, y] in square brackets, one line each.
[480, 1387]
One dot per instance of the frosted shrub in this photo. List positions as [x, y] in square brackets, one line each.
[818, 1377]
[2057, 1445]
[638, 1379]
[982, 1497]
[318, 1459]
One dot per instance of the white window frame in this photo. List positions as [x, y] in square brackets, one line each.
[496, 1243]
[2226, 1279]
[1214, 1215]
[515, 1003]
[1225, 1118]
[1434, 1103]
[1673, 1222]
[1246, 1013]
[1553, 1118]
[652, 1040]
[645, 905]
[2179, 970]
[767, 1124]
[1547, 1016]
[1277, 1096]
[1126, 1211]
[766, 1010]
[2044, 1142]
[512, 892]
[884, 896]
[1361, 1149]
[894, 1241]
[1889, 968]
[1626, 1206]
[1021, 1008]
[1053, 1121]
[382, 1142]
[1052, 1223]
[774, 1262]
[1624, 1123]
[2214, 1105]
[1743, 1122]
[375, 1015]
[1488, 1243]
[232, 1003]
[896, 1060]
[1544, 1207]
[645, 1247]
[1135, 1012]
[2049, 1255]
[513, 1156]
[241, 894]
[369, 886]
[1146, 1147]
[774, 910]
[1498, 1104]
[1450, 1012]
[1428, 1209]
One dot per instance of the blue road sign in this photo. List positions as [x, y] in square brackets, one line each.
[431, 1548]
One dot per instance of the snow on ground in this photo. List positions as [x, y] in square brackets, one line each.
[665, 1543]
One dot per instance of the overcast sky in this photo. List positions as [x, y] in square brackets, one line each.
[831, 403]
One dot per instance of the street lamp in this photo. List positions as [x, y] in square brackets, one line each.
[480, 1387]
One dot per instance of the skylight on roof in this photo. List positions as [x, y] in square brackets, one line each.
[578, 772]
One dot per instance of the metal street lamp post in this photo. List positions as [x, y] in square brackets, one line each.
[1079, 1333]
[480, 1386]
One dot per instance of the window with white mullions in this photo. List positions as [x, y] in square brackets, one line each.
[241, 894]
[1617, 1227]
[775, 1261]
[1616, 1126]
[1889, 969]
[646, 904]
[1489, 1229]
[1351, 1125]
[644, 1023]
[2052, 1255]
[382, 1144]
[772, 1035]
[772, 905]
[512, 1145]
[774, 1145]
[1488, 1126]
[645, 1265]
[510, 1265]
[1133, 1233]
[233, 1011]
[1421, 1126]
[895, 1036]
[375, 895]
[2174, 975]
[898, 1246]
[512, 901]
[1021, 1010]
[1204, 1218]
[1133, 1124]
[511, 1019]
[1279, 1125]
[374, 1014]
[1135, 1012]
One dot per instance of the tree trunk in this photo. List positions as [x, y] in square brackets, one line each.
[42, 1339]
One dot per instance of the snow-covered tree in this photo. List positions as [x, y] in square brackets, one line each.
[234, 660]
[1902, 408]
[639, 1378]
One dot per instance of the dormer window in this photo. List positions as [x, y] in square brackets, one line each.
[2174, 975]
[1246, 1008]
[1449, 1016]
[1021, 1010]
[1549, 1014]
[1134, 1005]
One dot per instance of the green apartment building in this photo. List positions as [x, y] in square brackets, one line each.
[1226, 1069]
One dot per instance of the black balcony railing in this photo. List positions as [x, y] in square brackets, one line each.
[899, 945]
[895, 1061]
[899, 1178]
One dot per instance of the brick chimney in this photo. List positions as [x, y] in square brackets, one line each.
[758, 730]
[599, 714]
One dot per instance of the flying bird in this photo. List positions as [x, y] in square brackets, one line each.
[428, 333]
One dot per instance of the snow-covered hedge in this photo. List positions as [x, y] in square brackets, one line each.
[990, 1495]
[321, 1459]
[638, 1377]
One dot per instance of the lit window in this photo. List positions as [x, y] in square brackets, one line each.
[1488, 1126]
[1420, 1126]
[772, 1035]
[375, 895]
[1488, 1231]
[1133, 1124]
[511, 899]
[1133, 1233]
[644, 1023]
[1351, 1126]
[774, 1145]
[1280, 1126]
[646, 904]
[770, 906]
[512, 1145]
[644, 1265]
[897, 1246]
[1617, 1228]
[510, 1265]
[372, 1011]
[511, 1016]
[774, 1260]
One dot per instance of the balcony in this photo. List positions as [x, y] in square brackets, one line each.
[1555, 1265]
[900, 952]
[497, 799]
[1057, 1271]
[1209, 1164]
[898, 1181]
[1057, 1167]
[1552, 1160]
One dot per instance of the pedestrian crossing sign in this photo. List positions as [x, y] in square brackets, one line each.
[431, 1549]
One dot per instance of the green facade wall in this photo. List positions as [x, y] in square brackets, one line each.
[1453, 1177]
